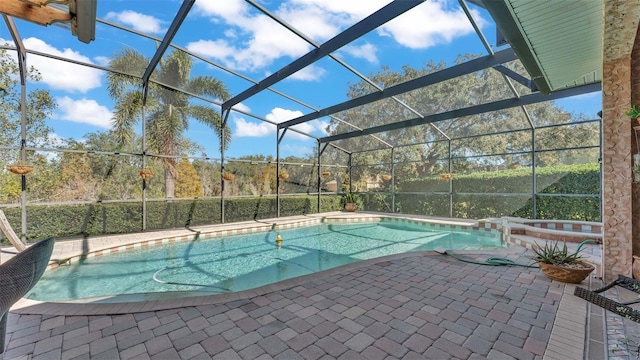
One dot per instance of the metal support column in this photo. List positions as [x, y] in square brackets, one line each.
[225, 117]
[144, 164]
[278, 141]
[350, 174]
[534, 192]
[320, 151]
[319, 177]
[393, 181]
[601, 168]
[22, 66]
[450, 182]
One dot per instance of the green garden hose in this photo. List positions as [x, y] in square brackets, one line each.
[498, 261]
[492, 261]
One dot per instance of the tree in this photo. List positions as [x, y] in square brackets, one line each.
[497, 139]
[188, 184]
[39, 106]
[167, 111]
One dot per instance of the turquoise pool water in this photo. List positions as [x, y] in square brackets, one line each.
[236, 263]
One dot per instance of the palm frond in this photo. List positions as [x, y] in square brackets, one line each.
[128, 61]
[210, 117]
[128, 111]
[208, 86]
[175, 69]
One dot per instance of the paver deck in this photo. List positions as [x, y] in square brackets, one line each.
[407, 306]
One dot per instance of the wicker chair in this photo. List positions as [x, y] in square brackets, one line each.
[18, 276]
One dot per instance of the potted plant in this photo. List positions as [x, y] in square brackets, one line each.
[350, 201]
[558, 264]
[633, 113]
[284, 174]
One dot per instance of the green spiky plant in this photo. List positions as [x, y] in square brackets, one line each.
[551, 253]
[350, 198]
[634, 112]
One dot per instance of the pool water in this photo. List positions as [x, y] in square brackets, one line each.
[242, 262]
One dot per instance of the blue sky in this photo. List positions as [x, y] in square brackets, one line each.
[233, 34]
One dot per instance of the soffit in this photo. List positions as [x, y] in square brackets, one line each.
[560, 43]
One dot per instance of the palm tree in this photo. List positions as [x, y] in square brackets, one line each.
[167, 112]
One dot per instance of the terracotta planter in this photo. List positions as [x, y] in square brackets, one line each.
[284, 176]
[446, 176]
[146, 174]
[636, 267]
[572, 275]
[326, 174]
[350, 207]
[386, 177]
[20, 169]
[228, 176]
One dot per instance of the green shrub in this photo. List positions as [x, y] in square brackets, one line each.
[499, 193]
[493, 194]
[62, 221]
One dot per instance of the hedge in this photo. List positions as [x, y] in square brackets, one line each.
[63, 221]
[425, 196]
[492, 189]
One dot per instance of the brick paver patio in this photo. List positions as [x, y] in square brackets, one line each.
[410, 306]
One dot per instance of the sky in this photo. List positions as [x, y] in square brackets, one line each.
[235, 36]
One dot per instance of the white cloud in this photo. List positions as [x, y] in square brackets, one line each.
[224, 9]
[429, 24]
[357, 10]
[311, 127]
[61, 75]
[366, 52]
[251, 129]
[267, 41]
[309, 73]
[264, 39]
[260, 41]
[138, 21]
[102, 60]
[241, 107]
[277, 115]
[86, 111]
[218, 49]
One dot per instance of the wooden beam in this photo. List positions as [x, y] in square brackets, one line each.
[44, 2]
[43, 15]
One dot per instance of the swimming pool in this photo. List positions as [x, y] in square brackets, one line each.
[235, 263]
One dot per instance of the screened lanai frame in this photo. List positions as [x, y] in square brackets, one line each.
[493, 60]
